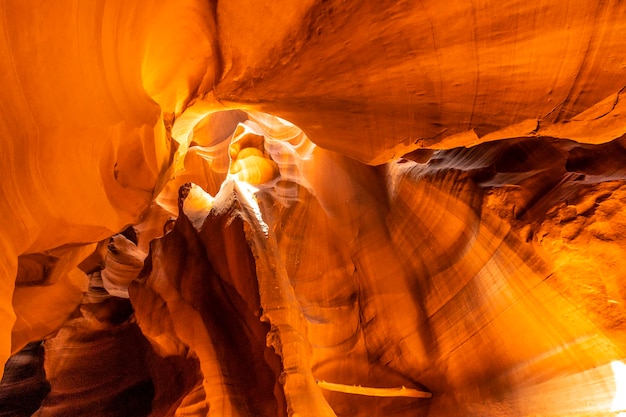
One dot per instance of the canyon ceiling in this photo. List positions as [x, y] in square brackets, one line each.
[313, 208]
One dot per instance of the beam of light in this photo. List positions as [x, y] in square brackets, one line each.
[374, 392]
[619, 401]
[247, 192]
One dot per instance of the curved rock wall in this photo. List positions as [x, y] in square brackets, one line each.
[448, 219]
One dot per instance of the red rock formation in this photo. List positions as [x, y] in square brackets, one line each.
[449, 218]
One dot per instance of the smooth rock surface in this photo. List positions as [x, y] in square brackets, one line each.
[386, 194]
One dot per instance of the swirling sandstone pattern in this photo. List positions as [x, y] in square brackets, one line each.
[446, 214]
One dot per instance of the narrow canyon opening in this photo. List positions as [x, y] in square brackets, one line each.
[252, 284]
[312, 209]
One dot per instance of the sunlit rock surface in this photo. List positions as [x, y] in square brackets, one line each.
[393, 199]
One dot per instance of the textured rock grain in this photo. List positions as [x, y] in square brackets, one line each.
[445, 213]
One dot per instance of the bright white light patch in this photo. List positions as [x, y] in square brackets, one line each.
[197, 205]
[247, 191]
[283, 121]
[619, 401]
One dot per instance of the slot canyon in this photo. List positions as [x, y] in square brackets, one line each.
[313, 208]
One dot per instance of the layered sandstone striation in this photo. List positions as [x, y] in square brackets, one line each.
[321, 208]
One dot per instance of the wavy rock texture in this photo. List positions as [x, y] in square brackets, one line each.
[446, 216]
[24, 385]
[85, 143]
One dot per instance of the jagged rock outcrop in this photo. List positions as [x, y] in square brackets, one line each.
[445, 214]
